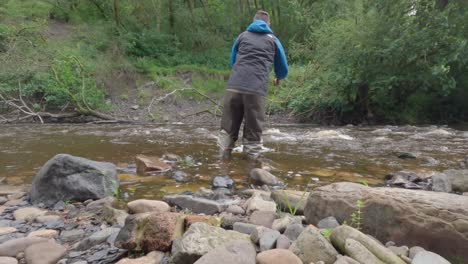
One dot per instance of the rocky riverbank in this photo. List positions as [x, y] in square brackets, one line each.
[71, 215]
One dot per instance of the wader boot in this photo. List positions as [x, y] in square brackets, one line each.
[238, 107]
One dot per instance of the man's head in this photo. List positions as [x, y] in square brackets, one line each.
[262, 15]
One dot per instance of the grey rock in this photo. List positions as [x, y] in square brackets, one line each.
[441, 183]
[3, 200]
[283, 242]
[244, 228]
[263, 177]
[185, 250]
[228, 220]
[262, 218]
[427, 257]
[458, 179]
[180, 176]
[329, 222]
[72, 235]
[235, 253]
[98, 205]
[258, 232]
[96, 238]
[399, 251]
[59, 206]
[415, 250]
[293, 231]
[311, 246]
[222, 182]
[286, 220]
[195, 204]
[69, 178]
[268, 240]
[44, 253]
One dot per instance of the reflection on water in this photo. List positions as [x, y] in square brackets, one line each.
[300, 154]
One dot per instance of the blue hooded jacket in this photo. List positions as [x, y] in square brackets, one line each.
[254, 53]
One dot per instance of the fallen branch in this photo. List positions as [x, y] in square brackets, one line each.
[201, 112]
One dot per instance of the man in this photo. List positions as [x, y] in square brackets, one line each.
[253, 55]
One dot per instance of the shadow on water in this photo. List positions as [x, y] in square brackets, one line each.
[301, 155]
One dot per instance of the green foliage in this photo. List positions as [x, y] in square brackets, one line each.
[356, 217]
[327, 232]
[151, 44]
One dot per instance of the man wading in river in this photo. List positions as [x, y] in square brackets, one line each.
[253, 55]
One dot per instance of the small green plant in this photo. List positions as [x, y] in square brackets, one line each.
[356, 217]
[124, 97]
[363, 182]
[292, 209]
[116, 193]
[327, 232]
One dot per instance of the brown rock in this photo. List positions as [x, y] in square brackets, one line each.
[8, 260]
[147, 165]
[191, 219]
[151, 231]
[278, 256]
[435, 221]
[147, 206]
[44, 253]
[7, 230]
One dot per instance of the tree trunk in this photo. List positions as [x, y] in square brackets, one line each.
[116, 13]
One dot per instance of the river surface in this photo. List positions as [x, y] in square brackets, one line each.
[302, 156]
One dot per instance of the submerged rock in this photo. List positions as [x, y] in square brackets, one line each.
[180, 176]
[147, 165]
[399, 215]
[69, 178]
[222, 182]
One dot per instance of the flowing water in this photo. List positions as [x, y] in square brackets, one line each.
[301, 155]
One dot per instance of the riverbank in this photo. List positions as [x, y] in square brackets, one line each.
[85, 222]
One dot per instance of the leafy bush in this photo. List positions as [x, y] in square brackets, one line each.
[151, 44]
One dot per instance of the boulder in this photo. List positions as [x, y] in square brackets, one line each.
[200, 239]
[433, 220]
[154, 257]
[278, 256]
[147, 206]
[263, 177]
[235, 253]
[312, 246]
[44, 253]
[150, 231]
[360, 253]
[427, 257]
[147, 165]
[12, 247]
[195, 204]
[289, 200]
[344, 234]
[69, 178]
[458, 179]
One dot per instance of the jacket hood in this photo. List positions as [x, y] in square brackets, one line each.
[259, 26]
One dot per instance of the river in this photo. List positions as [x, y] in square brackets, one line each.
[301, 155]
